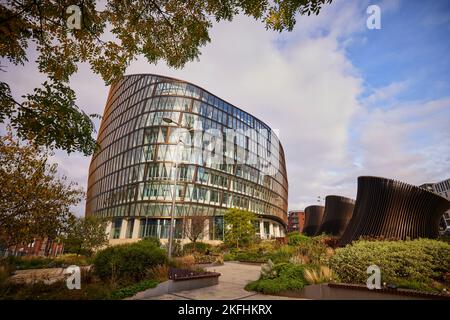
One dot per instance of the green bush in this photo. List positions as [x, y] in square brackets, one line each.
[416, 261]
[133, 289]
[199, 247]
[289, 277]
[128, 261]
[5, 273]
[72, 259]
[245, 256]
[262, 253]
[153, 240]
[205, 259]
[282, 254]
[25, 263]
[62, 261]
[91, 288]
[316, 249]
[296, 238]
[229, 257]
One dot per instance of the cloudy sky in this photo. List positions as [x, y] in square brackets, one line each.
[347, 101]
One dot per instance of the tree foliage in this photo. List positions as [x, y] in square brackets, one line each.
[239, 229]
[34, 201]
[85, 235]
[112, 34]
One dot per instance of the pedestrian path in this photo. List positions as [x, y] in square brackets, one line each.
[233, 279]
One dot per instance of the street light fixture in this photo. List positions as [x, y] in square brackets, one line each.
[174, 193]
[168, 120]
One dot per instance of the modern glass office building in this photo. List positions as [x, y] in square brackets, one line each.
[225, 158]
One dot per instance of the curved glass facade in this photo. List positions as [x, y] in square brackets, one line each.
[225, 157]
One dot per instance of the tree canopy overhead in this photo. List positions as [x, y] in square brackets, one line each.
[112, 34]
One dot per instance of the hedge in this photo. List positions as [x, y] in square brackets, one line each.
[417, 261]
[295, 239]
[128, 261]
[289, 277]
[200, 247]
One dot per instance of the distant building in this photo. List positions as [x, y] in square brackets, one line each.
[443, 189]
[296, 221]
[39, 247]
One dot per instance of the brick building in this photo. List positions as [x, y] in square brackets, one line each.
[296, 220]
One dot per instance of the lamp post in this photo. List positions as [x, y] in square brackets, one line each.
[174, 193]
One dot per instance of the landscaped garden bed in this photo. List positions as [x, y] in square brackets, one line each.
[139, 269]
[181, 280]
[421, 266]
[117, 272]
[307, 267]
[361, 291]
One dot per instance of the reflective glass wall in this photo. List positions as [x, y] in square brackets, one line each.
[226, 159]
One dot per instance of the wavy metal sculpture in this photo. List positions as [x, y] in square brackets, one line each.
[313, 217]
[338, 212]
[393, 209]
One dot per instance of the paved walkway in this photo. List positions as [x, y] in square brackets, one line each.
[234, 277]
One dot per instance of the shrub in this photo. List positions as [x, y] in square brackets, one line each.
[204, 259]
[199, 247]
[321, 275]
[219, 259]
[282, 254]
[5, 273]
[185, 262]
[72, 259]
[62, 261]
[245, 256]
[268, 270]
[264, 247]
[133, 289]
[412, 284]
[299, 259]
[91, 288]
[229, 257]
[295, 239]
[25, 263]
[419, 260]
[312, 250]
[262, 252]
[177, 249]
[128, 261]
[159, 272]
[290, 277]
[155, 241]
[316, 250]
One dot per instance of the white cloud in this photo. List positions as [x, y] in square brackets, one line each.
[409, 142]
[386, 93]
